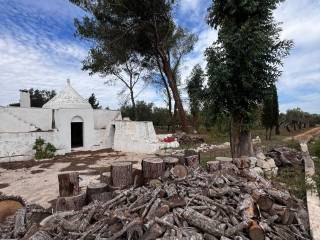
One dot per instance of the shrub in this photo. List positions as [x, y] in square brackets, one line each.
[294, 145]
[43, 149]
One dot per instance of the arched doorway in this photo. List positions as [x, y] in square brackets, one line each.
[76, 132]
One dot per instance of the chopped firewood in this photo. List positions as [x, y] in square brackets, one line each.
[69, 184]
[121, 174]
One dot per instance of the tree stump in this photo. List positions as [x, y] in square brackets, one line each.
[170, 162]
[106, 178]
[213, 166]
[121, 174]
[137, 177]
[152, 168]
[192, 161]
[71, 203]
[69, 184]
[98, 192]
[179, 171]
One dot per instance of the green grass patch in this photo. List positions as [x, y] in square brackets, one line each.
[211, 156]
[314, 149]
[292, 179]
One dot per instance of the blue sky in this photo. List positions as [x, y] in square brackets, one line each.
[38, 49]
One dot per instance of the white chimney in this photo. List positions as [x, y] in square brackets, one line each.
[25, 99]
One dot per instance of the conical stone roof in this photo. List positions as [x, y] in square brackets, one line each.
[67, 98]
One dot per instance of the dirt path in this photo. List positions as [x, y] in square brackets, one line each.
[37, 181]
[306, 136]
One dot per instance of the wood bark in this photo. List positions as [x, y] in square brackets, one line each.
[98, 192]
[242, 162]
[20, 222]
[106, 178]
[170, 162]
[240, 139]
[121, 173]
[68, 184]
[71, 203]
[256, 232]
[192, 161]
[152, 168]
[40, 235]
[179, 171]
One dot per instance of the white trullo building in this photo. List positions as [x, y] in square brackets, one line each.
[69, 123]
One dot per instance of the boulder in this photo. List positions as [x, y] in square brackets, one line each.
[253, 161]
[258, 170]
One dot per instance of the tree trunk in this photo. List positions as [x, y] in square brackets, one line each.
[135, 114]
[121, 174]
[240, 139]
[152, 168]
[69, 184]
[277, 129]
[175, 92]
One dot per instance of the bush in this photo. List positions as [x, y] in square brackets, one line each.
[294, 145]
[43, 149]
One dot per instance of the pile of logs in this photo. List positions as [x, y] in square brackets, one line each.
[188, 139]
[170, 200]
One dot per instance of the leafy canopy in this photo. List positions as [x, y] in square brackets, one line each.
[245, 59]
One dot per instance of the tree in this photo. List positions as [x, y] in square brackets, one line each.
[270, 112]
[121, 28]
[143, 111]
[94, 102]
[243, 63]
[194, 89]
[38, 97]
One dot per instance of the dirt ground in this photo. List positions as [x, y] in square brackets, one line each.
[37, 181]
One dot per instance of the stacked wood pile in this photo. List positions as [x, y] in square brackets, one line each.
[188, 139]
[184, 203]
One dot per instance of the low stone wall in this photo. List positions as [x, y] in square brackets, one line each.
[313, 200]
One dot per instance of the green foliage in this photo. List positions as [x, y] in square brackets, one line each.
[38, 97]
[195, 92]
[43, 149]
[294, 144]
[270, 112]
[94, 102]
[245, 59]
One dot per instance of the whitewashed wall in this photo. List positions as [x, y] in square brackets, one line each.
[138, 137]
[103, 118]
[18, 146]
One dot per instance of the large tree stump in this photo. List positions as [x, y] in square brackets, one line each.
[152, 168]
[179, 171]
[192, 161]
[170, 162]
[68, 184]
[121, 174]
[98, 192]
[71, 203]
[106, 178]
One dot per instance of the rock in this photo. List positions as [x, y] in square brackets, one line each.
[253, 161]
[266, 164]
[260, 155]
[271, 173]
[258, 170]
[284, 156]
[224, 159]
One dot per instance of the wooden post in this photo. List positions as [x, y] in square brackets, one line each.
[152, 168]
[121, 174]
[68, 184]
[170, 162]
[98, 191]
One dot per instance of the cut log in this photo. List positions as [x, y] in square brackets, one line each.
[213, 166]
[192, 161]
[71, 203]
[137, 177]
[106, 178]
[98, 192]
[256, 232]
[247, 207]
[20, 222]
[40, 235]
[179, 171]
[170, 162]
[152, 168]
[121, 173]
[68, 184]
[241, 163]
[200, 221]
[262, 199]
